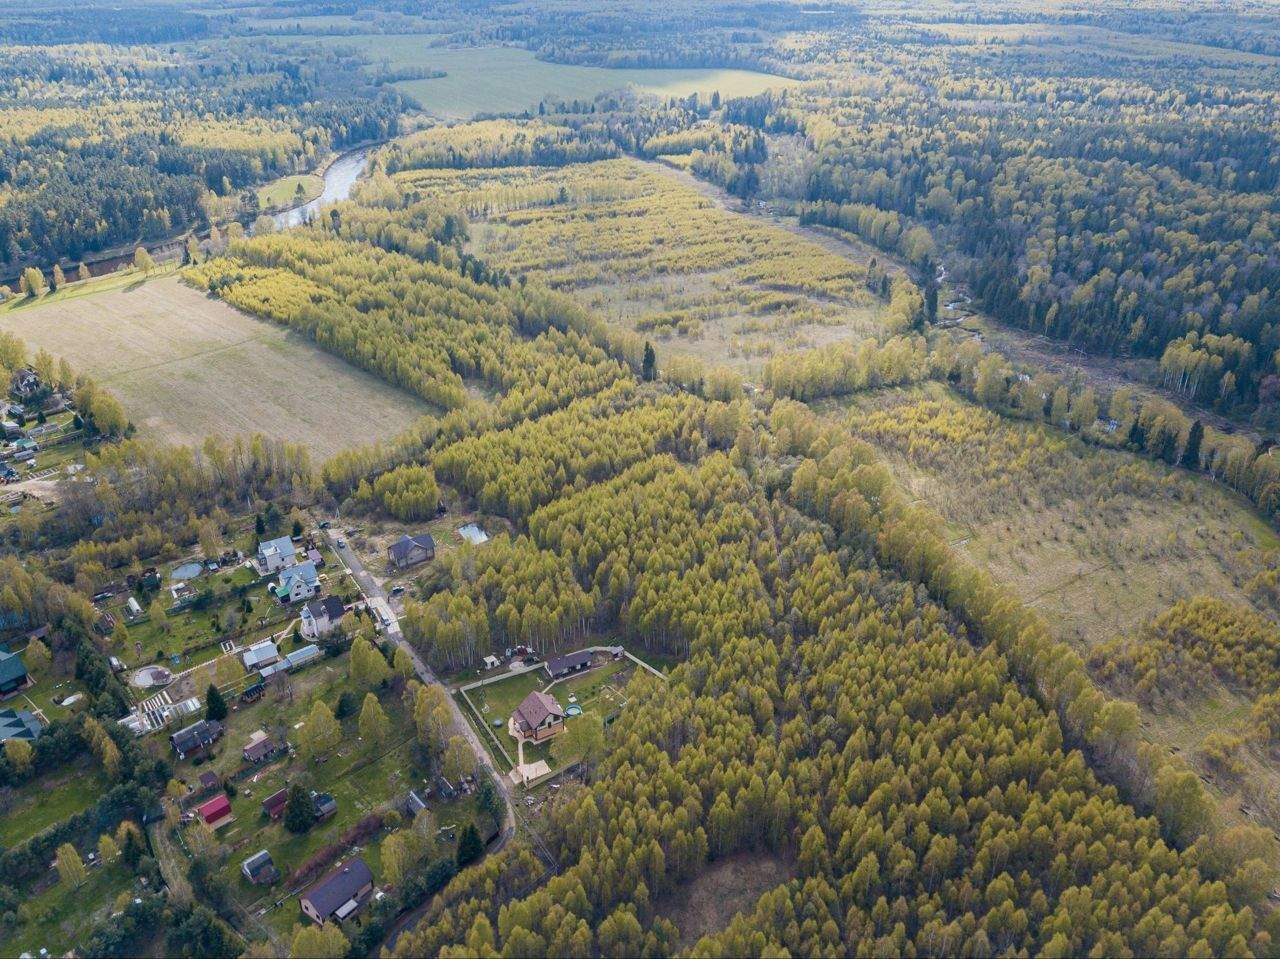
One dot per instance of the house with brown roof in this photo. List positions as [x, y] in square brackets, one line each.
[259, 747]
[537, 718]
[273, 805]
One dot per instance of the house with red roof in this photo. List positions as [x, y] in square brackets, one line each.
[216, 811]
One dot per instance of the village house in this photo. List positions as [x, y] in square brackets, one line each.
[560, 666]
[320, 616]
[259, 748]
[259, 869]
[260, 654]
[24, 384]
[19, 724]
[323, 805]
[273, 805]
[276, 554]
[197, 737]
[538, 717]
[216, 812]
[13, 674]
[411, 550]
[297, 583]
[340, 894]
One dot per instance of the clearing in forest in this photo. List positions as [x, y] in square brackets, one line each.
[1098, 540]
[723, 890]
[653, 255]
[186, 366]
[481, 80]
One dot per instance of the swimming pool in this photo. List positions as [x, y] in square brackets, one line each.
[573, 711]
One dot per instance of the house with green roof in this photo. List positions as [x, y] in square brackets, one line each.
[13, 673]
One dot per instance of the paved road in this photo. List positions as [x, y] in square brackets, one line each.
[377, 598]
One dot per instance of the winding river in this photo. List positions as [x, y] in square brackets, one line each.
[339, 179]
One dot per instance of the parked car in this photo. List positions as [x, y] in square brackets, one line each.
[397, 589]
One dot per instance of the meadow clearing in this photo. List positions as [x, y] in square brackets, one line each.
[186, 366]
[1098, 540]
[653, 255]
[481, 80]
[284, 191]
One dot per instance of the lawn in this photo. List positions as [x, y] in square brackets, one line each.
[196, 629]
[186, 366]
[482, 80]
[499, 700]
[49, 799]
[598, 691]
[284, 191]
[61, 915]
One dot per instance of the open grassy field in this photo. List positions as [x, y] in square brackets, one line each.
[510, 79]
[730, 886]
[654, 255]
[284, 191]
[49, 799]
[186, 366]
[1100, 541]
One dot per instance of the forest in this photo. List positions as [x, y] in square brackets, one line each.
[107, 146]
[719, 378]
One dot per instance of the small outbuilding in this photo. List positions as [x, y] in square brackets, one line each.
[259, 869]
[260, 654]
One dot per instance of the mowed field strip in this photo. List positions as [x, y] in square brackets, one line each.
[510, 79]
[186, 366]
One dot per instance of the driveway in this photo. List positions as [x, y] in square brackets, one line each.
[375, 595]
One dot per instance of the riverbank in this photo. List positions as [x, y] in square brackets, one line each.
[338, 177]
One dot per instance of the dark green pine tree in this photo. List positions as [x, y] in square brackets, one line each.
[215, 707]
[1137, 435]
[299, 811]
[470, 848]
[649, 367]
